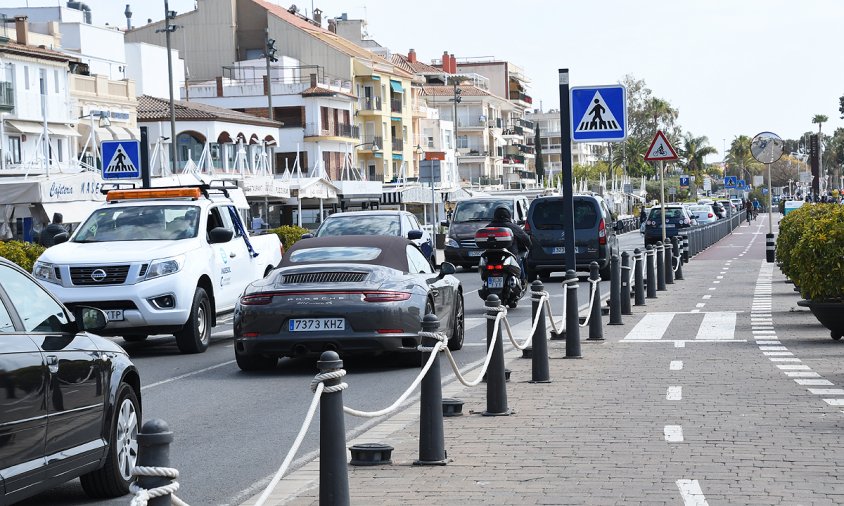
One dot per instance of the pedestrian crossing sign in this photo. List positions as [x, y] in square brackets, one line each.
[598, 113]
[121, 159]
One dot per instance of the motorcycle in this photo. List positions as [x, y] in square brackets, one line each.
[500, 270]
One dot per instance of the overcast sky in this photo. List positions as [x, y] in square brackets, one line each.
[730, 67]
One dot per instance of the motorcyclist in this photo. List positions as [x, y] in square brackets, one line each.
[521, 241]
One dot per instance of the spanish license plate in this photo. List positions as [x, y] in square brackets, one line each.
[495, 282]
[558, 250]
[114, 315]
[316, 324]
[475, 252]
[669, 225]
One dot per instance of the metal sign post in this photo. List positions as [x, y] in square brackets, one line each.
[767, 148]
[568, 178]
[661, 151]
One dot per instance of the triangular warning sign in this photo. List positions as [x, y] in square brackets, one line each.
[120, 163]
[660, 149]
[598, 117]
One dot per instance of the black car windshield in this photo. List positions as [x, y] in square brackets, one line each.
[360, 225]
[335, 254]
[670, 213]
[479, 210]
[140, 223]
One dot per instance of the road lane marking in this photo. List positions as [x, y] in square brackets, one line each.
[691, 493]
[673, 433]
[773, 348]
[794, 367]
[826, 391]
[675, 365]
[717, 325]
[674, 393]
[785, 359]
[814, 382]
[834, 402]
[802, 374]
[651, 325]
[707, 297]
[187, 375]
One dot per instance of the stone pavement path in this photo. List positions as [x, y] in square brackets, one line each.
[731, 398]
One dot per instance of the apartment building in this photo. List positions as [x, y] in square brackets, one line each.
[549, 125]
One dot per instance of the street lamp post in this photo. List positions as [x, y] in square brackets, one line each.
[168, 29]
[375, 148]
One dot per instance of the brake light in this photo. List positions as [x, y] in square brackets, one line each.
[385, 296]
[257, 299]
[390, 331]
[710, 215]
[486, 233]
[498, 267]
[527, 228]
[602, 232]
[162, 193]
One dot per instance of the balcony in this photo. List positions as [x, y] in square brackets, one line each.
[513, 131]
[398, 144]
[514, 160]
[479, 122]
[518, 96]
[496, 123]
[7, 96]
[395, 105]
[343, 130]
[369, 140]
[527, 125]
[369, 103]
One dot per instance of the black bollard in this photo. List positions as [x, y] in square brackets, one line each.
[685, 248]
[770, 248]
[539, 358]
[660, 267]
[572, 316]
[616, 298]
[675, 247]
[626, 309]
[650, 259]
[431, 434]
[596, 327]
[639, 260]
[668, 253]
[496, 387]
[333, 467]
[154, 451]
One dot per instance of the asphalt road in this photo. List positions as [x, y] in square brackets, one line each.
[233, 429]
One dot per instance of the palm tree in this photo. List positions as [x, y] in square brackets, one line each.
[820, 119]
[694, 150]
[661, 109]
[739, 156]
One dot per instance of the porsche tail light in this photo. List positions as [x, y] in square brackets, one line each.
[390, 331]
[602, 232]
[256, 299]
[385, 296]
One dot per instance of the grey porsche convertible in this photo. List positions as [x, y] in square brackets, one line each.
[350, 294]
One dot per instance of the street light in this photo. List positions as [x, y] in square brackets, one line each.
[103, 121]
[168, 29]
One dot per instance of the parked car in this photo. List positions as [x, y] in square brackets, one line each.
[400, 223]
[719, 210]
[677, 218]
[70, 402]
[595, 237]
[737, 202]
[703, 213]
[351, 294]
[472, 215]
[729, 206]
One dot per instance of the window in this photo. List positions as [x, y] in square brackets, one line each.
[56, 80]
[60, 150]
[405, 224]
[416, 262]
[14, 149]
[335, 254]
[6, 324]
[462, 142]
[26, 77]
[41, 313]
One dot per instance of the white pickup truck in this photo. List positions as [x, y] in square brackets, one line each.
[161, 260]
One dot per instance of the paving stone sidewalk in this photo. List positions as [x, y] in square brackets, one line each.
[669, 420]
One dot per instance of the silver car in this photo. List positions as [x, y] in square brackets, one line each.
[703, 213]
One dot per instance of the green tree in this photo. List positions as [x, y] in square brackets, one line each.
[693, 151]
[740, 161]
[631, 154]
[820, 119]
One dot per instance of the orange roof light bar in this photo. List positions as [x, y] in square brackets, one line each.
[163, 193]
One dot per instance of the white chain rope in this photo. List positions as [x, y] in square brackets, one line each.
[142, 495]
[441, 340]
[594, 283]
[679, 259]
[542, 300]
[501, 313]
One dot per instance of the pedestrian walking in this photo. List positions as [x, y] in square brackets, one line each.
[48, 234]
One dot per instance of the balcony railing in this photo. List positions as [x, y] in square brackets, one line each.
[370, 103]
[518, 95]
[395, 105]
[513, 130]
[496, 123]
[369, 140]
[525, 123]
[514, 159]
[7, 96]
[398, 144]
[336, 130]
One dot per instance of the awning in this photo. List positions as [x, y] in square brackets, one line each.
[26, 127]
[72, 212]
[375, 77]
[63, 130]
[396, 86]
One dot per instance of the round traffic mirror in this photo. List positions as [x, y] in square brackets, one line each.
[766, 147]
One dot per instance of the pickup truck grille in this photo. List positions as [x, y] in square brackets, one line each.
[325, 277]
[114, 275]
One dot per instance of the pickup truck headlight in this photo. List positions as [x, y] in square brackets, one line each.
[450, 242]
[45, 272]
[165, 266]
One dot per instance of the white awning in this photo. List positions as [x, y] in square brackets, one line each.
[72, 212]
[26, 127]
[62, 130]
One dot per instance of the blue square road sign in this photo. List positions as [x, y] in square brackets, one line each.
[121, 159]
[598, 113]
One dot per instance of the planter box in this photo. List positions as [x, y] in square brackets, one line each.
[830, 314]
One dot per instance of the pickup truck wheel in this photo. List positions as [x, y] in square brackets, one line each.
[135, 338]
[113, 478]
[196, 334]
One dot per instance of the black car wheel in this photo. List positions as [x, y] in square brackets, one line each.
[196, 334]
[112, 480]
[455, 340]
[249, 362]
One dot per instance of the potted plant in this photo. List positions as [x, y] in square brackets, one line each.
[811, 249]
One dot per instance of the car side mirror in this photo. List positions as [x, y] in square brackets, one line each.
[219, 235]
[307, 236]
[90, 318]
[447, 268]
[414, 235]
[60, 238]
